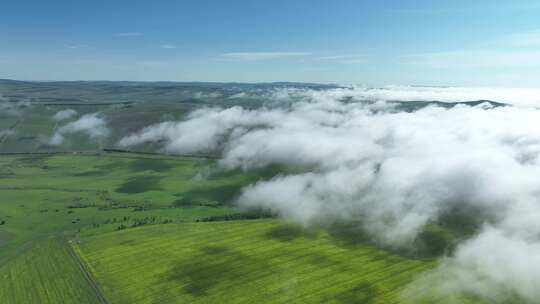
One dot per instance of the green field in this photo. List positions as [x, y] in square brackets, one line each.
[46, 272]
[158, 229]
[259, 261]
[32, 126]
[44, 195]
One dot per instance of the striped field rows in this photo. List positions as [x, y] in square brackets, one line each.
[263, 261]
[45, 273]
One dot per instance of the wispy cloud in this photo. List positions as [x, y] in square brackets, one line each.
[424, 11]
[475, 59]
[168, 46]
[153, 63]
[76, 46]
[524, 39]
[507, 6]
[517, 50]
[356, 58]
[128, 34]
[94, 125]
[256, 56]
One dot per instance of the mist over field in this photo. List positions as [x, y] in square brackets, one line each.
[64, 114]
[11, 108]
[394, 162]
[93, 125]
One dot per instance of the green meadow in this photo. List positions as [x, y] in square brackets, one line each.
[108, 227]
[47, 200]
[252, 261]
[64, 194]
[46, 272]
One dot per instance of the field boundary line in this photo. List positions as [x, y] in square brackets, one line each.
[207, 156]
[52, 153]
[109, 152]
[86, 272]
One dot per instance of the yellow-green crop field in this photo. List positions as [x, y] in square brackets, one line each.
[250, 261]
[48, 272]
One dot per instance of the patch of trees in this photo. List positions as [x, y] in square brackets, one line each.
[249, 215]
[137, 222]
[6, 172]
[80, 205]
[114, 205]
[144, 221]
[143, 207]
[115, 220]
[137, 206]
[158, 154]
[79, 202]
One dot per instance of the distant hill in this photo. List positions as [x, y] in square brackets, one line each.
[133, 91]
[411, 106]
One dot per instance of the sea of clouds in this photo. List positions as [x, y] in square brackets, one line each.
[394, 171]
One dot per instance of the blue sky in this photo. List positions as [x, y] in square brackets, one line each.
[465, 43]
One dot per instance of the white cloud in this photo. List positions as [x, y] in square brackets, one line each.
[514, 96]
[93, 125]
[494, 266]
[393, 171]
[12, 108]
[470, 59]
[6, 133]
[201, 95]
[76, 46]
[347, 59]
[256, 56]
[64, 114]
[168, 46]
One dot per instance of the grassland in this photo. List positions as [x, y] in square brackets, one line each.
[28, 128]
[47, 272]
[260, 261]
[99, 201]
[47, 198]
[47, 195]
